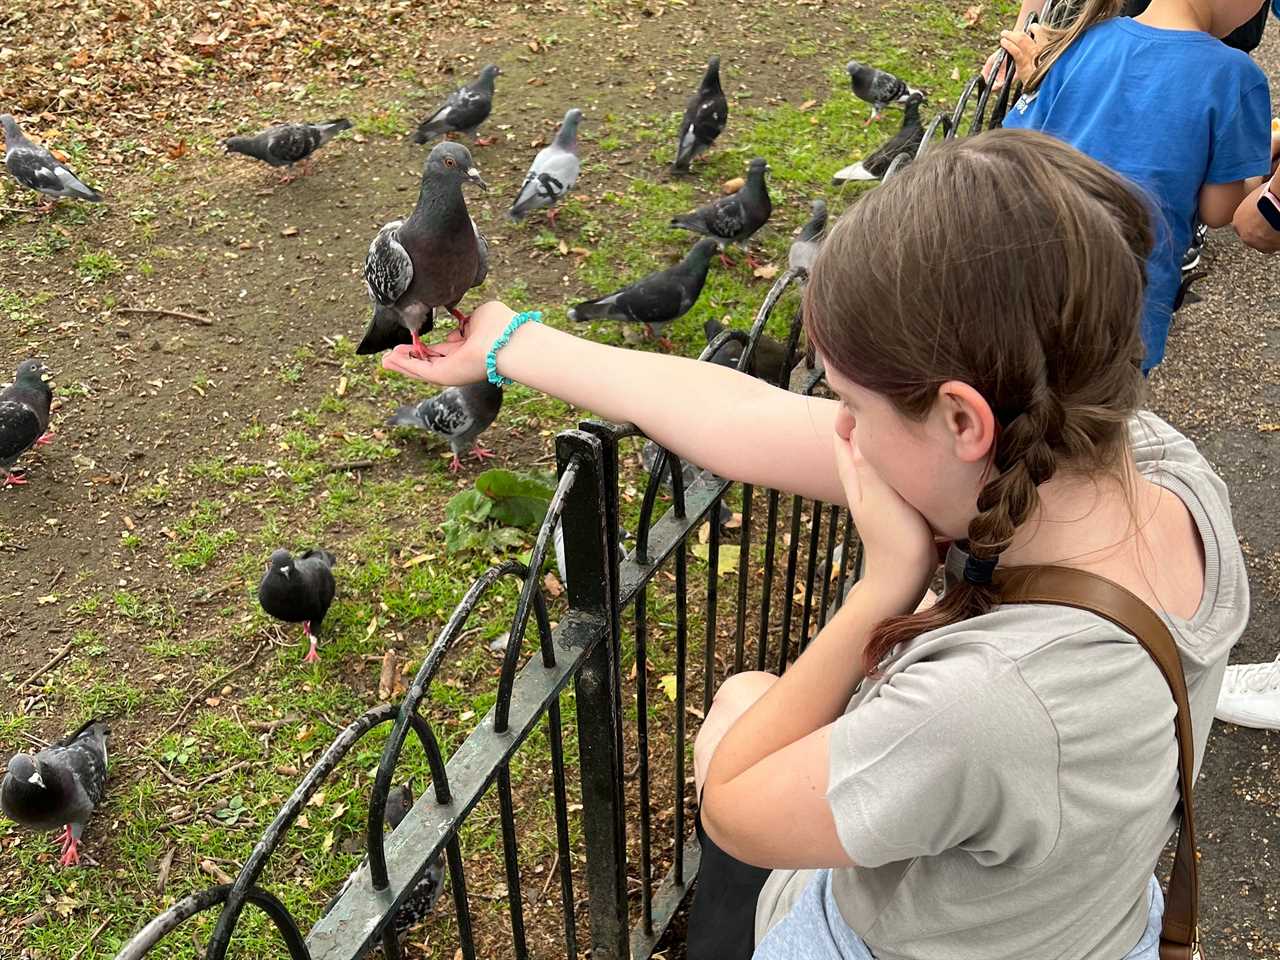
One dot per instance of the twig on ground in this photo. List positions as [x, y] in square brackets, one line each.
[33, 740]
[166, 864]
[221, 773]
[194, 318]
[215, 871]
[216, 683]
[57, 659]
[170, 777]
[56, 577]
[550, 875]
[352, 465]
[92, 937]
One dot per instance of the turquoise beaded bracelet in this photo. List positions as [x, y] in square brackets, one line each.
[491, 359]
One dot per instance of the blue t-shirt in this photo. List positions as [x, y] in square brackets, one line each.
[1171, 110]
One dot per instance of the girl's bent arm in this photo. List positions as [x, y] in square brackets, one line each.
[734, 425]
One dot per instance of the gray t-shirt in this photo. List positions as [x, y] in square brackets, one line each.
[1007, 785]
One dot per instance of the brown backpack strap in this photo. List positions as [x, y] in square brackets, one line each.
[1179, 939]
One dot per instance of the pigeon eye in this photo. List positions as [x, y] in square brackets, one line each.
[448, 162]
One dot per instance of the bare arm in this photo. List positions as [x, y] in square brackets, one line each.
[1253, 227]
[734, 425]
[1219, 201]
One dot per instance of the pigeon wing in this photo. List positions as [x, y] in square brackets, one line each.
[446, 414]
[36, 168]
[727, 217]
[885, 87]
[292, 142]
[656, 299]
[19, 429]
[482, 260]
[711, 117]
[388, 268]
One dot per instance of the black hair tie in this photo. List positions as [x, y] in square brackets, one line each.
[976, 570]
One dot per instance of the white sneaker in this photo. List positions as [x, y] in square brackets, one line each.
[1250, 695]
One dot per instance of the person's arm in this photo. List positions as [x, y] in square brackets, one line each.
[733, 425]
[1220, 201]
[1028, 6]
[1252, 226]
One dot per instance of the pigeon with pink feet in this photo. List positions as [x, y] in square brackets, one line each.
[59, 786]
[24, 416]
[299, 590]
[427, 261]
[459, 414]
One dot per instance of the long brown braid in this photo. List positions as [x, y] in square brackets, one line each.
[1013, 263]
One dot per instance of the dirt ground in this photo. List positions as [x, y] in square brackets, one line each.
[113, 552]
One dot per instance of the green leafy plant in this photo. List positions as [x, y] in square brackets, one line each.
[493, 516]
[233, 811]
[181, 753]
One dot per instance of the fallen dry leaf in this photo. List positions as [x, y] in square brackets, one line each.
[553, 585]
[289, 232]
[391, 679]
[732, 186]
[766, 271]
[972, 15]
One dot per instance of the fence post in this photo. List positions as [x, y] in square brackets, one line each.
[590, 533]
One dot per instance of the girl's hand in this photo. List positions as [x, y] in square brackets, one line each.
[900, 553]
[1022, 48]
[461, 359]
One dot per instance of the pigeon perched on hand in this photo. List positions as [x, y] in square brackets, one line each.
[430, 260]
[553, 173]
[657, 299]
[459, 414]
[60, 785]
[285, 144]
[906, 140]
[804, 249]
[768, 360]
[36, 168]
[705, 117]
[24, 416]
[463, 110]
[299, 590]
[878, 87]
[733, 219]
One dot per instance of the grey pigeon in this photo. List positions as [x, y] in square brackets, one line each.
[299, 590]
[285, 144]
[733, 219]
[906, 140]
[60, 785]
[463, 110]
[768, 360]
[430, 260]
[657, 299]
[459, 414]
[24, 416]
[426, 893]
[877, 87]
[804, 249]
[705, 117]
[553, 173]
[35, 167]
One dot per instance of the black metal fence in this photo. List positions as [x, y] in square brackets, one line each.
[810, 554]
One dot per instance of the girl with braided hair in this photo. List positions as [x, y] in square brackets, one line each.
[962, 779]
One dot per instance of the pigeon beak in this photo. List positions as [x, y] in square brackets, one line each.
[474, 176]
[36, 780]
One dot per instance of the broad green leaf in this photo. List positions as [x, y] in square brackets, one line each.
[517, 500]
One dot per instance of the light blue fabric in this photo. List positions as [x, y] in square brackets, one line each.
[814, 929]
[1171, 110]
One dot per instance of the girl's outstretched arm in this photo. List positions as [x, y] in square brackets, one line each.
[734, 425]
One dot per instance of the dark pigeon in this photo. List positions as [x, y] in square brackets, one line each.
[657, 299]
[60, 786]
[285, 144]
[459, 414]
[36, 168]
[553, 173]
[733, 219]
[877, 87]
[430, 260]
[24, 416]
[906, 140]
[426, 894]
[689, 472]
[804, 249]
[705, 117]
[463, 110]
[299, 590]
[768, 360]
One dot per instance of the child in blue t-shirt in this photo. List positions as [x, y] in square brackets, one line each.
[1159, 99]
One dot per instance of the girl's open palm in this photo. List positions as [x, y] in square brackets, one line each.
[461, 359]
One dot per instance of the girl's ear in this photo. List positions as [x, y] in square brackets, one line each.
[969, 420]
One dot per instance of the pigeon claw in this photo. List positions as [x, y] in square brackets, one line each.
[70, 849]
[13, 480]
[420, 351]
[311, 656]
[666, 343]
[481, 453]
[552, 213]
[486, 141]
[462, 318]
[45, 440]
[724, 259]
[455, 464]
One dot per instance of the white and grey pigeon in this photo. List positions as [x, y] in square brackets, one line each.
[735, 218]
[463, 110]
[657, 299]
[805, 247]
[459, 414]
[906, 140]
[36, 168]
[59, 786]
[553, 173]
[878, 87]
[430, 260]
[705, 116]
[299, 590]
[426, 893]
[285, 144]
[24, 417]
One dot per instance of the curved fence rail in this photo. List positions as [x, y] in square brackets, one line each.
[795, 561]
